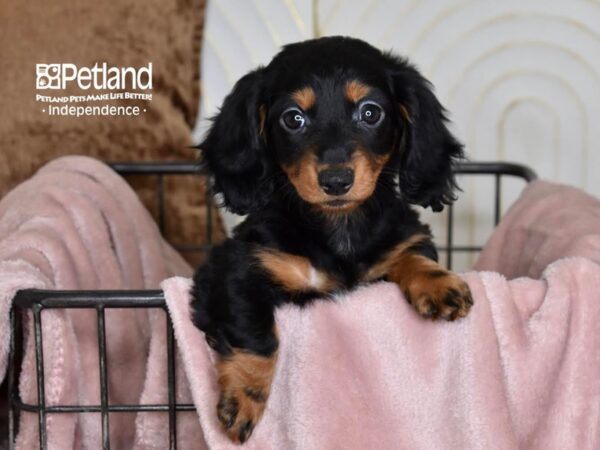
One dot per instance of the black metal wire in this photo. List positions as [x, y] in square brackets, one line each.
[172, 389]
[12, 358]
[38, 300]
[103, 361]
[497, 199]
[449, 234]
[98, 408]
[40, 376]
[500, 168]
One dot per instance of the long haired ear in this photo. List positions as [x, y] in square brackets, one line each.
[234, 150]
[430, 150]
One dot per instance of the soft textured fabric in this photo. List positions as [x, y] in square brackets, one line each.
[123, 33]
[363, 371]
[550, 221]
[521, 371]
[77, 225]
[366, 372]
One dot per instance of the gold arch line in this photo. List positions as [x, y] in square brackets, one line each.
[231, 23]
[488, 54]
[574, 95]
[275, 36]
[296, 17]
[369, 10]
[524, 100]
[453, 8]
[208, 40]
[407, 9]
[498, 19]
[513, 103]
[332, 13]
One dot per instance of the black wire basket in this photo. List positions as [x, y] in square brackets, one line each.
[38, 300]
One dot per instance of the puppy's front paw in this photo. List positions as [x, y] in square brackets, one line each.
[439, 294]
[245, 381]
[239, 411]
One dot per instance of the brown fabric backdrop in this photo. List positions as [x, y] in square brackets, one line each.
[120, 33]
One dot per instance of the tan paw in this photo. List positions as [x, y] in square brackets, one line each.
[439, 294]
[239, 411]
[245, 381]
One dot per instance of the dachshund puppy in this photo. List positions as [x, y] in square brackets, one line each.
[325, 150]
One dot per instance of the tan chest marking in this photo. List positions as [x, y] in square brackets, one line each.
[295, 273]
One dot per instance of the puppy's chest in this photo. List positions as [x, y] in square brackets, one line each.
[319, 272]
[342, 243]
[345, 272]
[348, 258]
[338, 261]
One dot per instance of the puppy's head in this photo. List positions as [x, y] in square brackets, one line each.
[331, 118]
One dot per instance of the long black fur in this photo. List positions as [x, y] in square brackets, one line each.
[233, 298]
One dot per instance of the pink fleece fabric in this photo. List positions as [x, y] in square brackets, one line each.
[549, 222]
[77, 225]
[363, 371]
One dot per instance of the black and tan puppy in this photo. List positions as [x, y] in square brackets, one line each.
[324, 149]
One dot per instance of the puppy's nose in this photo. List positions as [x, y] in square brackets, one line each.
[336, 181]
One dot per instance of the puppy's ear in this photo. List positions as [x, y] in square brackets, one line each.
[234, 150]
[429, 149]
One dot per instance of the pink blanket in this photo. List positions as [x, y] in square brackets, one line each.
[521, 371]
[77, 225]
[549, 222]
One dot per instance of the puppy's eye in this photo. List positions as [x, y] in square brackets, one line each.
[371, 113]
[293, 120]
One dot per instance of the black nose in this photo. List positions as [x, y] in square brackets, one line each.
[336, 181]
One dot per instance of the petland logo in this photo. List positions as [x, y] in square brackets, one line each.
[100, 77]
[116, 88]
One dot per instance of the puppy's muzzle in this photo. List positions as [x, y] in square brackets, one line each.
[336, 181]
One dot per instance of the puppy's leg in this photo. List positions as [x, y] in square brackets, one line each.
[433, 291]
[234, 297]
[245, 381]
[233, 303]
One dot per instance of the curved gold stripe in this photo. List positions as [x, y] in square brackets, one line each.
[296, 17]
[362, 17]
[208, 40]
[208, 104]
[438, 18]
[472, 222]
[390, 29]
[506, 76]
[501, 124]
[469, 34]
[488, 54]
[235, 27]
[457, 7]
[332, 13]
[275, 36]
[573, 94]
[316, 14]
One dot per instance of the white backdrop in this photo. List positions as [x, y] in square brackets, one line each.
[521, 79]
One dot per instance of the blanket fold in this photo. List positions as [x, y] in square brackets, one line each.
[365, 371]
[362, 371]
[76, 225]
